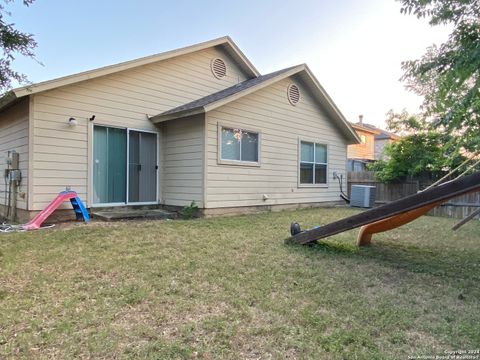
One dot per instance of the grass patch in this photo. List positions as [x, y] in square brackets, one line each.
[230, 288]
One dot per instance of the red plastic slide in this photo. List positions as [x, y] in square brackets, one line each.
[37, 221]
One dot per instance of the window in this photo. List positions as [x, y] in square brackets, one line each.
[313, 163]
[239, 145]
[363, 138]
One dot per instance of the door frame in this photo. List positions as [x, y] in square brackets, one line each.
[91, 167]
[128, 167]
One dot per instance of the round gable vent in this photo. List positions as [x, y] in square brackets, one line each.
[219, 68]
[293, 93]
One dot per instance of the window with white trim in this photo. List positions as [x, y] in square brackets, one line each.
[239, 145]
[313, 163]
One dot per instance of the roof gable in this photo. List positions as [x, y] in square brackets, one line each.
[232, 93]
[225, 42]
[366, 129]
[219, 98]
[380, 133]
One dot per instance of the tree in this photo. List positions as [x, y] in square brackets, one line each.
[404, 123]
[421, 151]
[412, 155]
[13, 42]
[448, 76]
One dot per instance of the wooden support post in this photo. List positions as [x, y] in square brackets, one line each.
[466, 219]
[366, 231]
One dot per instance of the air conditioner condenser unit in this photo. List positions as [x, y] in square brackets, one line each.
[362, 196]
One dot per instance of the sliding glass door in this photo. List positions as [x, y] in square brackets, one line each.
[142, 166]
[109, 165]
[113, 181]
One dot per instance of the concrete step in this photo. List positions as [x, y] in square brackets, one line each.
[132, 214]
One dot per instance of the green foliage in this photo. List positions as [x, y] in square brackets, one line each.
[448, 76]
[190, 211]
[412, 155]
[12, 43]
[404, 123]
[419, 152]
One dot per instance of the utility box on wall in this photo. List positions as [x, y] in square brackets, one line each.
[362, 196]
[13, 159]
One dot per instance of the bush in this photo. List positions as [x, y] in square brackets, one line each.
[414, 155]
[190, 211]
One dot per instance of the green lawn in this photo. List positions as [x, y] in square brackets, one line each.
[230, 288]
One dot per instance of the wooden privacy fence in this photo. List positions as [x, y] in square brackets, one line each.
[384, 192]
[458, 207]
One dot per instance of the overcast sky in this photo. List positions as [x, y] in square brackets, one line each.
[354, 47]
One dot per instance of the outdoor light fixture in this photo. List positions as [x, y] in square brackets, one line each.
[72, 122]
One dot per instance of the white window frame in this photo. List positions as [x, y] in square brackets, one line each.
[313, 185]
[221, 161]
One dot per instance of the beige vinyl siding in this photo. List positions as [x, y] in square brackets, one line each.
[14, 136]
[183, 161]
[122, 99]
[281, 126]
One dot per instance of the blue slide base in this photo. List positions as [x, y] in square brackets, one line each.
[81, 212]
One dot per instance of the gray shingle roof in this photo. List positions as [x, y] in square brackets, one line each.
[222, 94]
[384, 134]
[222, 97]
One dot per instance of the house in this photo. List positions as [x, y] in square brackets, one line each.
[372, 146]
[195, 124]
[381, 140]
[360, 155]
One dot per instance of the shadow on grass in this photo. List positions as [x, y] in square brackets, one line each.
[437, 262]
[325, 248]
[336, 247]
[456, 266]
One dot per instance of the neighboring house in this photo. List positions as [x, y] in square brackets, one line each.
[372, 146]
[360, 155]
[199, 123]
[381, 140]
